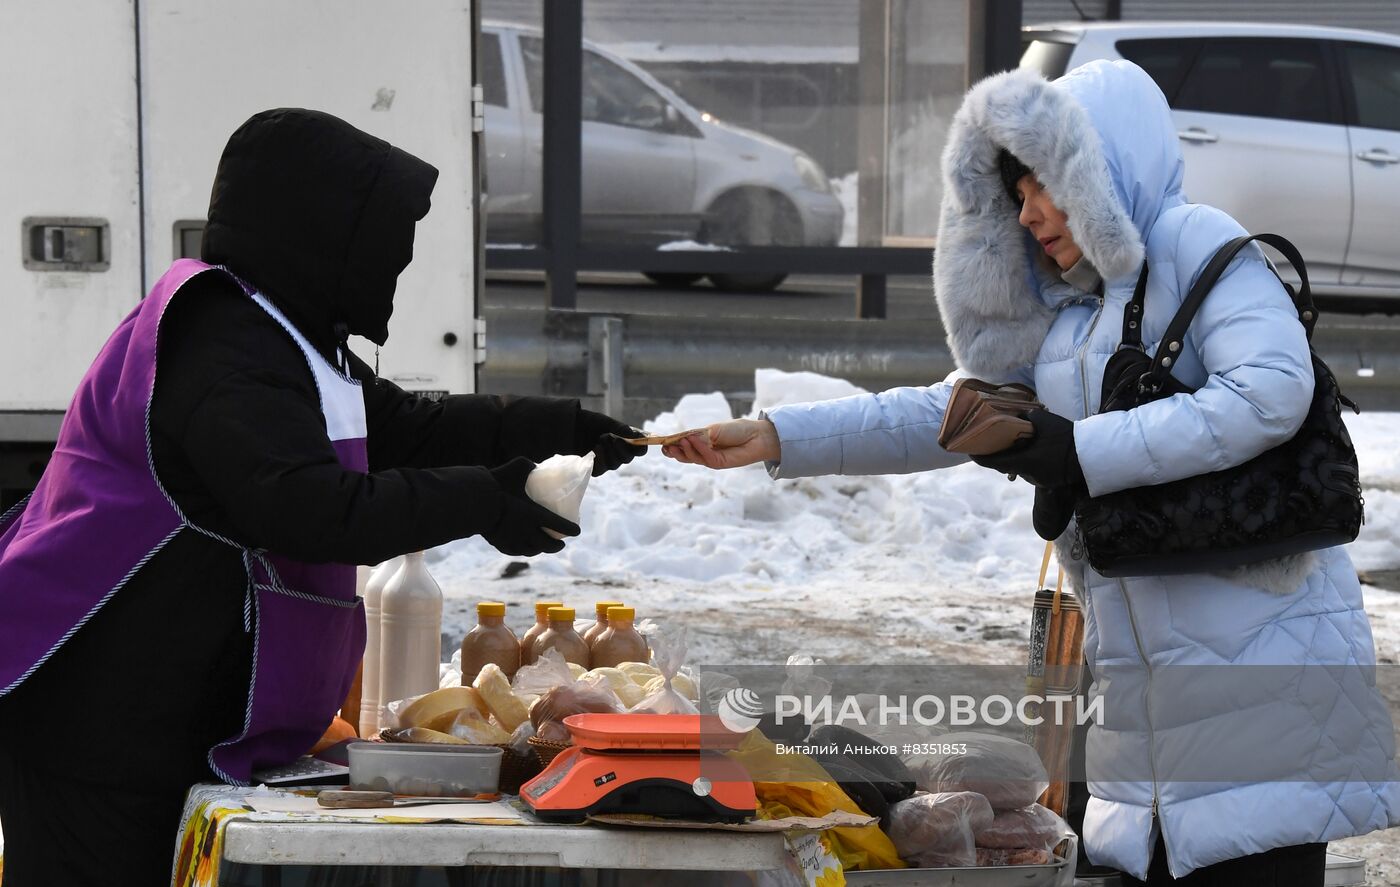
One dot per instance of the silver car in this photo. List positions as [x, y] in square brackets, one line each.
[655, 169]
[1290, 129]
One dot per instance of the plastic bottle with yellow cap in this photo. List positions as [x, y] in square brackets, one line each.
[527, 642]
[561, 636]
[490, 641]
[600, 623]
[620, 642]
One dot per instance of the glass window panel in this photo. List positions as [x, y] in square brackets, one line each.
[1165, 60]
[1284, 79]
[928, 75]
[514, 134]
[492, 70]
[1375, 82]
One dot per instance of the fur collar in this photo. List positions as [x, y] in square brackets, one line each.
[983, 277]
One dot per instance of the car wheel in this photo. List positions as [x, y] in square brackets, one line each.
[752, 217]
[672, 279]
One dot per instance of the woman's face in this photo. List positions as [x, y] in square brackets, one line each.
[1047, 223]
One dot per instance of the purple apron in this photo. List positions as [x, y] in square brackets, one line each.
[99, 514]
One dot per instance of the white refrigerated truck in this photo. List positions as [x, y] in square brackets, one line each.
[115, 114]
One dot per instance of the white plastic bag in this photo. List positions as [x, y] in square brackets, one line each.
[668, 649]
[558, 483]
[1008, 773]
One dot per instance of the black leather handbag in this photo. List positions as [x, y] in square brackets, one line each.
[1302, 495]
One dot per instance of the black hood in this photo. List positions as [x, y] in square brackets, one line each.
[319, 216]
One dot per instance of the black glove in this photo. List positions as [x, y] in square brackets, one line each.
[520, 529]
[602, 435]
[1054, 506]
[1048, 459]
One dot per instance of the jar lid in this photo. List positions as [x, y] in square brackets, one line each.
[603, 607]
[623, 613]
[542, 608]
[561, 614]
[490, 608]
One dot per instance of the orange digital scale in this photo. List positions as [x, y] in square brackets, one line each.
[662, 765]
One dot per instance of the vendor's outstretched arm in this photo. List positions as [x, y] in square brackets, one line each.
[409, 431]
[258, 443]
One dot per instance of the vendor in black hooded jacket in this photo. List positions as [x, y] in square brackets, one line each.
[99, 744]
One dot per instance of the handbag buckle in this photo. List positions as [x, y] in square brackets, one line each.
[1148, 385]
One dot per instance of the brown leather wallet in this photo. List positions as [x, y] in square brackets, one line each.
[984, 418]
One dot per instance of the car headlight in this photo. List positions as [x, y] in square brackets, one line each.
[810, 173]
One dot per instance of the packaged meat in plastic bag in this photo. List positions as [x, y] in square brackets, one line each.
[668, 650]
[936, 830]
[1031, 826]
[557, 703]
[1014, 856]
[1008, 773]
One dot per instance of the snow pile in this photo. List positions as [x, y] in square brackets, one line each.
[656, 518]
[1374, 435]
[946, 555]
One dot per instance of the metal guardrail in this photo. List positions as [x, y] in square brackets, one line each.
[639, 364]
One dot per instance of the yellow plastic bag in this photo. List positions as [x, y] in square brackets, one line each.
[789, 785]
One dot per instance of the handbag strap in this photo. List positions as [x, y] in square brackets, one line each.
[1155, 378]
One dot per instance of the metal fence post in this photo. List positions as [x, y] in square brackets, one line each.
[606, 352]
[562, 172]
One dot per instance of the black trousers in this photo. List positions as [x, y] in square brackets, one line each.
[1302, 865]
[62, 830]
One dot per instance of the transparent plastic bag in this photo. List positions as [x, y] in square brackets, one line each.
[547, 714]
[1030, 827]
[668, 649]
[934, 830]
[545, 673]
[471, 726]
[520, 739]
[450, 673]
[390, 712]
[1014, 856]
[803, 679]
[1008, 773]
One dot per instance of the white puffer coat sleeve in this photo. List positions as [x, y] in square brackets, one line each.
[1259, 383]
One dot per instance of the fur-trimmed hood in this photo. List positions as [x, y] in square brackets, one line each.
[1101, 142]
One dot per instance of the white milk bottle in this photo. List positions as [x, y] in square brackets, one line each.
[369, 683]
[410, 632]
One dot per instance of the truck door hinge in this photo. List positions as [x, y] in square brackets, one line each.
[479, 340]
[478, 108]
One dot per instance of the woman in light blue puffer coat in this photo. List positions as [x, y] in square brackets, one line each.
[1093, 160]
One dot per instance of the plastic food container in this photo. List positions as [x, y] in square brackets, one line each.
[425, 769]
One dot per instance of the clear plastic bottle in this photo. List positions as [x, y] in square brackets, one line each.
[561, 636]
[490, 641]
[527, 643]
[410, 632]
[600, 623]
[369, 686]
[621, 642]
